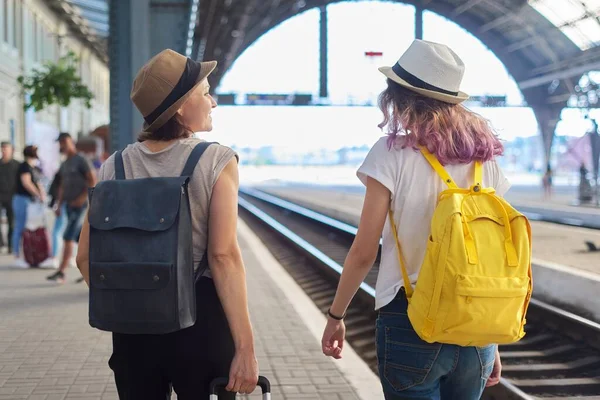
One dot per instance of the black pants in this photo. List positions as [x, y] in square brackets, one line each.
[7, 205]
[146, 367]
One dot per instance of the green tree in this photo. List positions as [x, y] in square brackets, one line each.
[55, 83]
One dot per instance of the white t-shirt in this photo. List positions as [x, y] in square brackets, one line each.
[415, 187]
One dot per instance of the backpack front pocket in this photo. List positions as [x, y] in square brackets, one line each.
[132, 292]
[490, 307]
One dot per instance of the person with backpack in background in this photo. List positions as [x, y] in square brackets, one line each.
[454, 277]
[151, 182]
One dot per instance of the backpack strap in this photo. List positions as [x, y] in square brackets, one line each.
[438, 168]
[188, 170]
[202, 266]
[119, 168]
[194, 157]
[407, 286]
[478, 178]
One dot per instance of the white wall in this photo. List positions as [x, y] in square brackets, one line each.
[28, 38]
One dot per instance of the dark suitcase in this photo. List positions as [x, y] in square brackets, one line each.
[219, 383]
[36, 246]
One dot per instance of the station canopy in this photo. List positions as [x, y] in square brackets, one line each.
[542, 43]
[579, 20]
[88, 20]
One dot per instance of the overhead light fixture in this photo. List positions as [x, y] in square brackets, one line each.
[192, 27]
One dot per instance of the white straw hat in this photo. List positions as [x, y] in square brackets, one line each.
[430, 69]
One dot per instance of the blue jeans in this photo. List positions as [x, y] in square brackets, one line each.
[57, 231]
[19, 203]
[410, 368]
[74, 223]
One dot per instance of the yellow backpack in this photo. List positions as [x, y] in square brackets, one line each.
[475, 282]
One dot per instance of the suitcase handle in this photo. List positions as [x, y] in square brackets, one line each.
[217, 383]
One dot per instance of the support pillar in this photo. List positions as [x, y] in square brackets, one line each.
[595, 144]
[137, 33]
[547, 117]
[120, 64]
[323, 39]
[172, 16]
[419, 22]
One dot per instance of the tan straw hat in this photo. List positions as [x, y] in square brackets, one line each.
[164, 84]
[430, 69]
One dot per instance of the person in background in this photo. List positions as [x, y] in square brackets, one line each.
[76, 176]
[28, 189]
[59, 222]
[547, 183]
[8, 183]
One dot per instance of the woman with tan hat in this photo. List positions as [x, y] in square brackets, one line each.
[172, 93]
[421, 109]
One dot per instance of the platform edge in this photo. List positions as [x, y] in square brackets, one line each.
[360, 377]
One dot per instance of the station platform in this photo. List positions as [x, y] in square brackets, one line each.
[48, 351]
[565, 271]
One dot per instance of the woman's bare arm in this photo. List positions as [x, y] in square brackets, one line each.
[83, 251]
[31, 187]
[229, 274]
[358, 262]
[364, 249]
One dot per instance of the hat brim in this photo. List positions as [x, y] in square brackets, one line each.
[205, 70]
[448, 98]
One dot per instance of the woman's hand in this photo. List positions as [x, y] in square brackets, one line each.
[243, 374]
[494, 378]
[333, 338]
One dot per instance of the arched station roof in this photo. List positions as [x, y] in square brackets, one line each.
[546, 45]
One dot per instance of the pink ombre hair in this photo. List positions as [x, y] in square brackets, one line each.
[452, 133]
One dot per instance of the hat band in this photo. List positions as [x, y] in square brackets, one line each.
[418, 83]
[186, 82]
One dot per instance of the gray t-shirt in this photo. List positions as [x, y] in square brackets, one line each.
[140, 162]
[73, 173]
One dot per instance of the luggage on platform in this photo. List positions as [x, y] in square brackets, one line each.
[219, 383]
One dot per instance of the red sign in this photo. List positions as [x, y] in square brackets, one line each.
[373, 53]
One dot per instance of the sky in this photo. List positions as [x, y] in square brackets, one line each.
[286, 60]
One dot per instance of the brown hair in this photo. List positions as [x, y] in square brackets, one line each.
[172, 129]
[452, 132]
[30, 152]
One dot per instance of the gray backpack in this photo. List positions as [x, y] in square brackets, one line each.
[142, 278]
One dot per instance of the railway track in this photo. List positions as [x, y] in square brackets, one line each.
[559, 358]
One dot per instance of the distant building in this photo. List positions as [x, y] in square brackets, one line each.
[29, 36]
